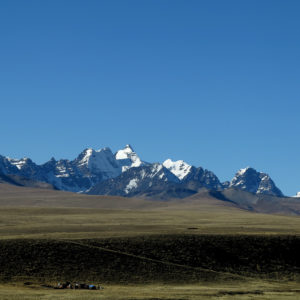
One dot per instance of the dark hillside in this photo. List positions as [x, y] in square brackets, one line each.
[239, 254]
[171, 258]
[24, 181]
[46, 260]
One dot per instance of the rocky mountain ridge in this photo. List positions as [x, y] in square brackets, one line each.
[124, 173]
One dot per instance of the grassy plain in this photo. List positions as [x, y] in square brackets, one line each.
[38, 213]
[56, 223]
[255, 290]
[51, 224]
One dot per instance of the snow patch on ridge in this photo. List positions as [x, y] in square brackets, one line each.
[133, 183]
[155, 169]
[19, 163]
[243, 171]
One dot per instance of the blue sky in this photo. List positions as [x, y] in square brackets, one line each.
[215, 83]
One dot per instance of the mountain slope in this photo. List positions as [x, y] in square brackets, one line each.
[127, 158]
[24, 182]
[261, 203]
[99, 172]
[250, 180]
[78, 175]
[199, 178]
[136, 181]
[192, 177]
[179, 168]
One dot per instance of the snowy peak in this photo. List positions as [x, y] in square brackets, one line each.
[98, 161]
[84, 157]
[127, 158]
[193, 177]
[179, 168]
[241, 172]
[128, 173]
[78, 175]
[250, 180]
[125, 153]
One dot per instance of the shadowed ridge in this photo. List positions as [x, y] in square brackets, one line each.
[16, 180]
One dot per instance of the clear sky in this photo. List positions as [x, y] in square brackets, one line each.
[215, 83]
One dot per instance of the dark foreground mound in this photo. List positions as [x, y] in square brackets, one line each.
[176, 258]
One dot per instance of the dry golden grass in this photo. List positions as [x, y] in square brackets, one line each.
[94, 223]
[35, 213]
[250, 290]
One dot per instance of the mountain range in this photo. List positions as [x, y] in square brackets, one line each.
[102, 172]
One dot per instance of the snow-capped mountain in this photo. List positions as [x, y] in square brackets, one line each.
[179, 168]
[250, 180]
[136, 181]
[98, 162]
[79, 175]
[172, 179]
[127, 158]
[191, 176]
[7, 165]
[124, 173]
